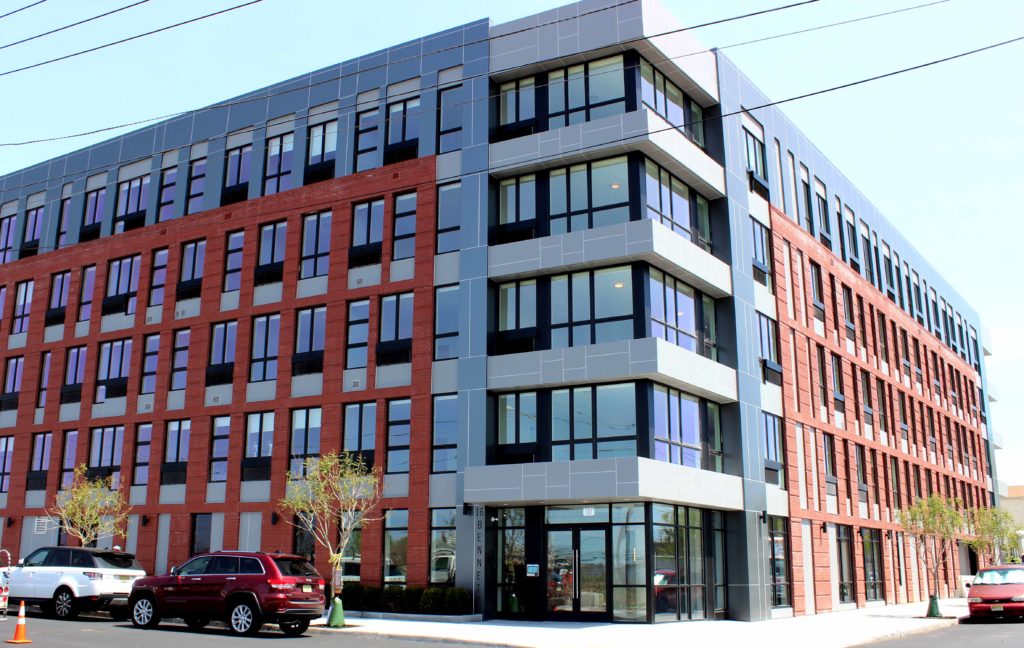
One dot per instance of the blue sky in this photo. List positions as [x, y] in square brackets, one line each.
[940, 151]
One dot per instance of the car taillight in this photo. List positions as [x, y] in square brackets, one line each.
[320, 583]
[281, 584]
[93, 575]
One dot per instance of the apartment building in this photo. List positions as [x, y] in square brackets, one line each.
[550, 276]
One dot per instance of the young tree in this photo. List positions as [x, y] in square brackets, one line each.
[934, 523]
[332, 496]
[995, 534]
[90, 509]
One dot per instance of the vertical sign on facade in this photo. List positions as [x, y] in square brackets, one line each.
[478, 559]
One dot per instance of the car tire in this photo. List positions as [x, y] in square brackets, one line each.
[294, 628]
[244, 618]
[196, 622]
[64, 605]
[144, 613]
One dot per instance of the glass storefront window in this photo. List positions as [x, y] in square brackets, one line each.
[512, 581]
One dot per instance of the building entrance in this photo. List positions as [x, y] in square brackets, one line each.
[577, 573]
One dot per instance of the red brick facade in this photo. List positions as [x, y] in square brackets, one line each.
[337, 195]
[794, 251]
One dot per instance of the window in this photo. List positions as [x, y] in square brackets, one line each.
[44, 379]
[222, 353]
[259, 446]
[305, 439]
[677, 427]
[158, 278]
[829, 456]
[676, 206]
[14, 367]
[844, 553]
[511, 559]
[316, 245]
[122, 285]
[396, 313]
[176, 450]
[92, 216]
[352, 556]
[7, 239]
[588, 195]
[517, 418]
[233, 261]
[278, 168]
[179, 359]
[236, 166]
[202, 532]
[873, 575]
[367, 233]
[309, 341]
[22, 307]
[67, 470]
[446, 322]
[817, 292]
[449, 118]
[85, 299]
[6, 460]
[190, 279]
[361, 430]
[517, 199]
[442, 546]
[196, 185]
[112, 373]
[75, 366]
[446, 433]
[778, 561]
[396, 545]
[399, 417]
[367, 138]
[105, 448]
[774, 449]
[165, 201]
[358, 334]
[756, 162]
[322, 142]
[36, 479]
[220, 444]
[143, 441]
[33, 228]
[449, 217]
[270, 263]
[303, 540]
[402, 129]
[517, 305]
[824, 224]
[516, 101]
[762, 262]
[587, 91]
[132, 197]
[666, 99]
[593, 422]
[592, 307]
[266, 331]
[150, 351]
[769, 337]
[404, 235]
[838, 392]
[62, 223]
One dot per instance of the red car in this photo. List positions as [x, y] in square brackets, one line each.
[243, 589]
[997, 592]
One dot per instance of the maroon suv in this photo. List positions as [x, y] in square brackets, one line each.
[243, 589]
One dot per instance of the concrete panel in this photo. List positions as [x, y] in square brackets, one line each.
[116, 322]
[764, 300]
[353, 380]
[9, 418]
[364, 276]
[444, 490]
[215, 493]
[771, 398]
[307, 385]
[250, 527]
[229, 300]
[69, 412]
[311, 287]
[144, 404]
[217, 395]
[444, 376]
[17, 340]
[131, 536]
[778, 501]
[255, 491]
[267, 294]
[396, 485]
[261, 391]
[216, 532]
[137, 495]
[396, 375]
[172, 494]
[446, 269]
[53, 333]
[40, 415]
[402, 270]
[154, 314]
[163, 542]
[32, 537]
[187, 308]
[35, 499]
[176, 399]
[109, 407]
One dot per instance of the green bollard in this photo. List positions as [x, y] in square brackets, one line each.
[336, 619]
[933, 607]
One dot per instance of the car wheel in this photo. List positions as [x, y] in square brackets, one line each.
[144, 613]
[196, 622]
[244, 618]
[64, 606]
[294, 628]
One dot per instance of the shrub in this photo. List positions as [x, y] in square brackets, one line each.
[352, 596]
[432, 601]
[392, 598]
[412, 600]
[372, 596]
[458, 600]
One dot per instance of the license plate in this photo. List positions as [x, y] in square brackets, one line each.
[307, 588]
[997, 608]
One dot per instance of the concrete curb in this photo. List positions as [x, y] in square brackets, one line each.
[370, 634]
[899, 634]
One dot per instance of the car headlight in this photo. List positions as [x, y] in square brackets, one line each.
[1018, 599]
[974, 599]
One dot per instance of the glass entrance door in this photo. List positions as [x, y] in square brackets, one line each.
[577, 572]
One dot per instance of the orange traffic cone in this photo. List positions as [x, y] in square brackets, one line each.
[20, 635]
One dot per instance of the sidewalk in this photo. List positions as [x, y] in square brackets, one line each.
[831, 630]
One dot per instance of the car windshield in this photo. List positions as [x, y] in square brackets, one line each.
[117, 561]
[1000, 577]
[295, 567]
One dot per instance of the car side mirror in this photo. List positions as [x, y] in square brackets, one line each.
[967, 585]
[174, 570]
[21, 562]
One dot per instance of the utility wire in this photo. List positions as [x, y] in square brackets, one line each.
[28, 6]
[130, 38]
[74, 24]
[342, 76]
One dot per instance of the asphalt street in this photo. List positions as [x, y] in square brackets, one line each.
[97, 631]
[964, 635]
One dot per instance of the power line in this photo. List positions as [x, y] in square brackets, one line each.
[342, 76]
[130, 38]
[28, 6]
[74, 24]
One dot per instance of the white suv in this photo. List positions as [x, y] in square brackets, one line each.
[66, 580]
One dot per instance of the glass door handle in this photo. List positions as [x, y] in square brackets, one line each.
[576, 573]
